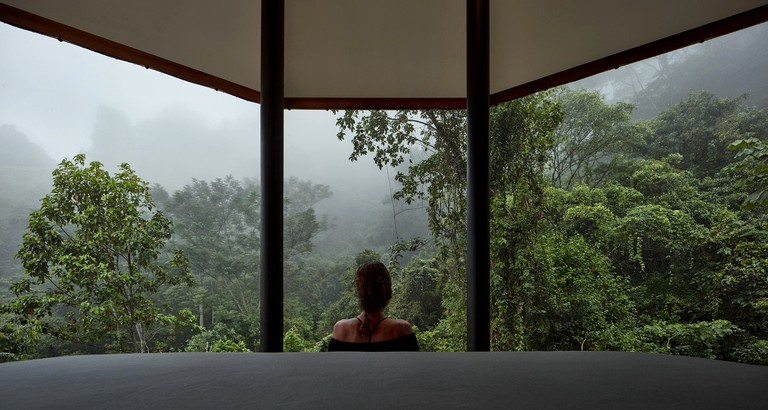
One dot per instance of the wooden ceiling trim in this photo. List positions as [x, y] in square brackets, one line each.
[697, 35]
[375, 103]
[63, 32]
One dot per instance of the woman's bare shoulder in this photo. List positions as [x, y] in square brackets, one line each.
[401, 322]
[403, 326]
[344, 327]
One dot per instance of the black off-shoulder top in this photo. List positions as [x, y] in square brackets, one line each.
[407, 343]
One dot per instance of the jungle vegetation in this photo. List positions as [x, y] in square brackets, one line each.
[609, 231]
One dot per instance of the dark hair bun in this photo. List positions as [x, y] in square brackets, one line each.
[374, 286]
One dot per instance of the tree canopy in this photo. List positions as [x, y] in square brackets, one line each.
[94, 255]
[608, 232]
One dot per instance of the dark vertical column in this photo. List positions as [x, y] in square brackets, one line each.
[478, 194]
[272, 104]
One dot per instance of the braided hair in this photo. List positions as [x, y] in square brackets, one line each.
[374, 290]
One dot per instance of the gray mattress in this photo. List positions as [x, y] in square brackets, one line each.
[519, 380]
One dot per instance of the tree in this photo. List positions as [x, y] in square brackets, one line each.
[588, 305]
[417, 296]
[521, 137]
[701, 127]
[591, 131]
[672, 229]
[301, 224]
[93, 253]
[293, 342]
[754, 164]
[218, 338]
[217, 225]
[646, 249]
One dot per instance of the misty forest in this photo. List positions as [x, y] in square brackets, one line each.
[628, 212]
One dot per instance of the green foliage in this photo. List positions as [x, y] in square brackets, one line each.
[300, 224]
[594, 222]
[19, 336]
[417, 297]
[591, 131]
[701, 127]
[606, 234]
[521, 135]
[218, 226]
[642, 250]
[366, 255]
[173, 336]
[322, 344]
[93, 255]
[655, 237]
[754, 165]
[701, 339]
[742, 286]
[592, 308]
[312, 285]
[660, 182]
[619, 199]
[438, 339]
[574, 301]
[219, 338]
[753, 351]
[293, 342]
[695, 265]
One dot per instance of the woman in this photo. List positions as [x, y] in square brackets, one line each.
[371, 330]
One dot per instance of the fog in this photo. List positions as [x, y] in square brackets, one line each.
[69, 100]
[59, 100]
[735, 65]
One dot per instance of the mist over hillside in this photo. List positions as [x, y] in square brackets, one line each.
[728, 66]
[25, 170]
[25, 177]
[180, 141]
[178, 145]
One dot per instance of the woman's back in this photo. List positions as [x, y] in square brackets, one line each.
[371, 330]
[384, 335]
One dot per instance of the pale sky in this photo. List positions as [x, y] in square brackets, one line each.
[67, 84]
[68, 100]
[63, 98]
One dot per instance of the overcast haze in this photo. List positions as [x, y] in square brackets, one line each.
[66, 100]
[69, 100]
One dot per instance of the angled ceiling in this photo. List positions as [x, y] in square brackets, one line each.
[383, 54]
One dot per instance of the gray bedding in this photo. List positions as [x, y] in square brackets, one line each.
[521, 380]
